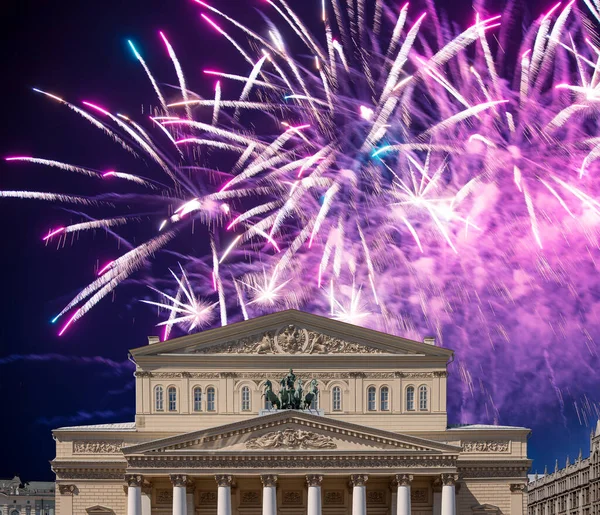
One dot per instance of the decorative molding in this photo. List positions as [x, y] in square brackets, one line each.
[518, 488]
[449, 479]
[250, 497]
[314, 480]
[73, 472]
[67, 489]
[178, 479]
[419, 495]
[421, 375]
[224, 480]
[292, 497]
[142, 373]
[291, 439]
[268, 480]
[507, 471]
[376, 497]
[403, 479]
[324, 376]
[333, 497]
[494, 446]
[359, 479]
[134, 479]
[97, 447]
[164, 496]
[207, 498]
[297, 462]
[289, 339]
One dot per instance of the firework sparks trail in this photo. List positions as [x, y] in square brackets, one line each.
[380, 168]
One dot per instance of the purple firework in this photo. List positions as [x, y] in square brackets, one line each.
[386, 170]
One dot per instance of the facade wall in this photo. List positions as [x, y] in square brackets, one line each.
[573, 490]
[474, 492]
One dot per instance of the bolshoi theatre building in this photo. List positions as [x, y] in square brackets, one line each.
[361, 428]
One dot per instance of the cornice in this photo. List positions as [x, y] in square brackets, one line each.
[325, 375]
[300, 419]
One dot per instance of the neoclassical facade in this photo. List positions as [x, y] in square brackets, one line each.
[33, 498]
[572, 490]
[205, 441]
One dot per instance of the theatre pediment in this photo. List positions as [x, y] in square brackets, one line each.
[291, 332]
[291, 431]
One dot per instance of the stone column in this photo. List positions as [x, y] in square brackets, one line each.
[269, 502]
[394, 499]
[516, 498]
[449, 494]
[403, 481]
[314, 494]
[224, 494]
[189, 497]
[437, 496]
[359, 493]
[179, 482]
[134, 493]
[147, 499]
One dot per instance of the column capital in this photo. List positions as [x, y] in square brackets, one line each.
[179, 479]
[314, 480]
[269, 480]
[518, 488]
[134, 479]
[403, 479]
[359, 479]
[437, 485]
[449, 479]
[67, 489]
[224, 480]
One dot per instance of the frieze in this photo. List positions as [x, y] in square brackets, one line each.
[208, 498]
[250, 497]
[261, 376]
[419, 495]
[89, 474]
[299, 462]
[289, 339]
[164, 496]
[335, 497]
[508, 472]
[421, 375]
[375, 497]
[97, 447]
[474, 446]
[291, 439]
[293, 497]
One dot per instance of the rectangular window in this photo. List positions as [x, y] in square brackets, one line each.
[172, 399]
[245, 398]
[385, 399]
[197, 399]
[337, 399]
[210, 399]
[371, 399]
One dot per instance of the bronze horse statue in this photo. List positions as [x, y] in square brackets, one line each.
[270, 395]
[311, 396]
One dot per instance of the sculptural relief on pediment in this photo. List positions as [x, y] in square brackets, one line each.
[289, 339]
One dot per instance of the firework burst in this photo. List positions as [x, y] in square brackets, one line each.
[389, 171]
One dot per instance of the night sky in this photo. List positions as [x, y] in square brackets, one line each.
[79, 50]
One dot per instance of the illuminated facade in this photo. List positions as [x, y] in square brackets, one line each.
[205, 441]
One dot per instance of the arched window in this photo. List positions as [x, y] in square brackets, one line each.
[371, 399]
[172, 391]
[336, 399]
[245, 398]
[384, 398]
[158, 398]
[422, 397]
[410, 398]
[197, 399]
[210, 399]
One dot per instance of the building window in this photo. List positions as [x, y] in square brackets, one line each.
[336, 404]
[197, 399]
[384, 398]
[245, 398]
[172, 391]
[158, 398]
[422, 397]
[210, 399]
[410, 398]
[371, 399]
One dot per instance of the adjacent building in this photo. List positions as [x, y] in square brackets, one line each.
[34, 498]
[206, 440]
[573, 490]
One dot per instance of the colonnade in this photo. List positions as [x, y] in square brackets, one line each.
[358, 482]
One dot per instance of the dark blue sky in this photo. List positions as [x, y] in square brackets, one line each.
[79, 50]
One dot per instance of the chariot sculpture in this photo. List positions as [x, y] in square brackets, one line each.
[292, 394]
